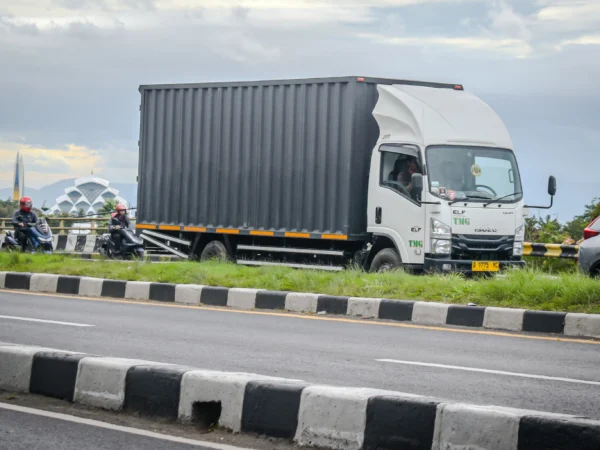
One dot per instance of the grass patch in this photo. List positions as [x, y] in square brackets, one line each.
[572, 292]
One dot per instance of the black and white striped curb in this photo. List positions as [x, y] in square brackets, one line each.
[311, 415]
[429, 313]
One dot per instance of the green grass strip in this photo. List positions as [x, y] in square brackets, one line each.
[528, 288]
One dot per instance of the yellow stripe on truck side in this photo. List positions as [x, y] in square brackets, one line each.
[195, 229]
[261, 233]
[288, 234]
[227, 231]
[297, 235]
[335, 237]
[145, 226]
[169, 227]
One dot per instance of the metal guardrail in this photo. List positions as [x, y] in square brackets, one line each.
[60, 225]
[551, 250]
[529, 248]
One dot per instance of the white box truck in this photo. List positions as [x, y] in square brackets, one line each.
[330, 172]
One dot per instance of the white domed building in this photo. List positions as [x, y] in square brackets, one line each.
[88, 194]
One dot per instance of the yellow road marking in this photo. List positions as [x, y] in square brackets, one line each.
[304, 316]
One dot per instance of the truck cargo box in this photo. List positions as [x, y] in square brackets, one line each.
[271, 155]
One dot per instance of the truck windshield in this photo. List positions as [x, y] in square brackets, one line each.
[477, 174]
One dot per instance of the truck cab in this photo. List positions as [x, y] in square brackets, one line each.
[445, 191]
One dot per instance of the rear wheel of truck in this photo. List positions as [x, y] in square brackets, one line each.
[386, 260]
[214, 250]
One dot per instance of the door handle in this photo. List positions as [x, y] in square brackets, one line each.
[378, 215]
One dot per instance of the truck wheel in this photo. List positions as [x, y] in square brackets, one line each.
[214, 250]
[386, 260]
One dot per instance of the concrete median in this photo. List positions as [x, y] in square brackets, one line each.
[311, 415]
[43, 282]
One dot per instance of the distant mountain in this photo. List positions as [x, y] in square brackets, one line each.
[51, 192]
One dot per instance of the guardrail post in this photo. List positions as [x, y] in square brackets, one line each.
[61, 224]
[93, 227]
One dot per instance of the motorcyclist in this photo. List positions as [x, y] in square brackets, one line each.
[118, 222]
[20, 220]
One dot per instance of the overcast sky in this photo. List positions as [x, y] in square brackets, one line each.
[70, 70]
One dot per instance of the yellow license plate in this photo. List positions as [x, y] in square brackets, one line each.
[485, 266]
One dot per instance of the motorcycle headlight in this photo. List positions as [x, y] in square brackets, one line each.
[441, 246]
[440, 230]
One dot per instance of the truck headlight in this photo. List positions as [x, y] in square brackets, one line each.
[441, 246]
[440, 230]
[441, 238]
[519, 238]
[520, 234]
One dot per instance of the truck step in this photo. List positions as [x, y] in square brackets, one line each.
[164, 246]
[246, 262]
[166, 237]
[305, 251]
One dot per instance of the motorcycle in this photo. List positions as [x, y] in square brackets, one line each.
[44, 239]
[10, 242]
[131, 246]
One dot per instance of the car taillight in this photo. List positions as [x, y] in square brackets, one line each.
[592, 230]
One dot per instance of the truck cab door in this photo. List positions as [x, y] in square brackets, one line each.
[393, 211]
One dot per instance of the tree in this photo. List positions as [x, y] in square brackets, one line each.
[8, 207]
[575, 227]
[106, 210]
[546, 230]
[108, 207]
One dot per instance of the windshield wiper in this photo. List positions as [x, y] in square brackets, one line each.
[467, 198]
[502, 198]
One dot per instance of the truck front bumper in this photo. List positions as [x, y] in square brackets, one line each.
[460, 265]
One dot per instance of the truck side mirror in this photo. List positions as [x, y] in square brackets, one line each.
[417, 185]
[551, 192]
[552, 186]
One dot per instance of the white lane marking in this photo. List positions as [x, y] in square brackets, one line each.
[55, 322]
[110, 426]
[496, 372]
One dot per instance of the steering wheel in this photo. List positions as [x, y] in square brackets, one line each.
[486, 187]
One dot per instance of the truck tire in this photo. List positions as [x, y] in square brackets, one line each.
[214, 250]
[386, 260]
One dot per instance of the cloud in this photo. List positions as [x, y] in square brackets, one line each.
[593, 39]
[513, 47]
[46, 165]
[569, 15]
[505, 21]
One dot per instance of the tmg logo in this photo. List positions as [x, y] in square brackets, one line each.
[462, 221]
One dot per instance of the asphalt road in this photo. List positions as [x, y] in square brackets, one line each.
[524, 372]
[28, 430]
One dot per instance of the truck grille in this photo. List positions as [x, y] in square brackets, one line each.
[478, 247]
